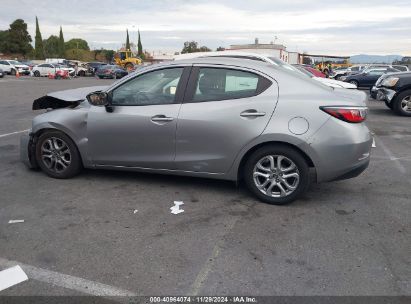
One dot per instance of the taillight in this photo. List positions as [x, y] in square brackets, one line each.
[348, 114]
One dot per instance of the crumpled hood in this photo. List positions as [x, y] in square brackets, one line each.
[66, 98]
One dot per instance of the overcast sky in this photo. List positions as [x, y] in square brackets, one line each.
[322, 26]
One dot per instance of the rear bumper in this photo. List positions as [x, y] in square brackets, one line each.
[354, 171]
[342, 150]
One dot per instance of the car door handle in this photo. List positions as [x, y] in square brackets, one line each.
[161, 118]
[252, 113]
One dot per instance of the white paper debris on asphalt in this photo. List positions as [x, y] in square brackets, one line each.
[12, 276]
[16, 221]
[135, 211]
[176, 208]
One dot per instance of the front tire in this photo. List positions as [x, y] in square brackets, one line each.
[388, 104]
[354, 82]
[402, 103]
[277, 174]
[57, 155]
[13, 72]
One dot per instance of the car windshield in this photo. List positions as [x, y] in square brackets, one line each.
[14, 62]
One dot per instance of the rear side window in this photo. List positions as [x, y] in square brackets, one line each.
[214, 84]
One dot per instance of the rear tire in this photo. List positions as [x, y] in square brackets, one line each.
[402, 104]
[13, 72]
[277, 174]
[57, 155]
[36, 74]
[81, 73]
[354, 82]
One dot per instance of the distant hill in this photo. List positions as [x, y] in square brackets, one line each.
[363, 58]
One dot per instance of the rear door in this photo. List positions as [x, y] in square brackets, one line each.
[224, 108]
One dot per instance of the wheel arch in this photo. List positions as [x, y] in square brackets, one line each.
[250, 151]
[36, 135]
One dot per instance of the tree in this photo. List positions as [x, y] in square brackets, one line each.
[127, 42]
[190, 47]
[4, 38]
[76, 43]
[220, 49]
[204, 49]
[38, 43]
[16, 39]
[61, 48]
[140, 52]
[51, 47]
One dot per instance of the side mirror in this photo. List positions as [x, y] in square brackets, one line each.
[99, 99]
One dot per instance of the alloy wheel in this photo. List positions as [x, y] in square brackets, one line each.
[406, 104]
[55, 154]
[276, 176]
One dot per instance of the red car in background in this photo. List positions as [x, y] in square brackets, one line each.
[313, 71]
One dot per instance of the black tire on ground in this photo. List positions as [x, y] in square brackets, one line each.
[36, 73]
[337, 77]
[291, 154]
[388, 104]
[354, 82]
[75, 165]
[82, 73]
[396, 103]
[13, 72]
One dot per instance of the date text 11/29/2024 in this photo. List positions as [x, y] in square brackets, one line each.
[199, 299]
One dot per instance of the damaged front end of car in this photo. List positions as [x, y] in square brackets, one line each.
[59, 119]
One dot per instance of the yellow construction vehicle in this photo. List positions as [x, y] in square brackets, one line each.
[127, 59]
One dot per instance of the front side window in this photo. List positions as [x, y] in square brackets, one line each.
[152, 88]
[222, 84]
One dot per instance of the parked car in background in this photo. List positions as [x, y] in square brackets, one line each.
[29, 63]
[401, 68]
[1, 73]
[237, 119]
[327, 81]
[313, 71]
[340, 72]
[12, 66]
[93, 66]
[111, 71]
[82, 68]
[368, 77]
[395, 90]
[48, 68]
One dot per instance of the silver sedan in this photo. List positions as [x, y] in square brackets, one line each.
[222, 118]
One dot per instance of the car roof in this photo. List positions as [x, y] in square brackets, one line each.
[224, 61]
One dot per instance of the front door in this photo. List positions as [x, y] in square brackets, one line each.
[224, 109]
[140, 131]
